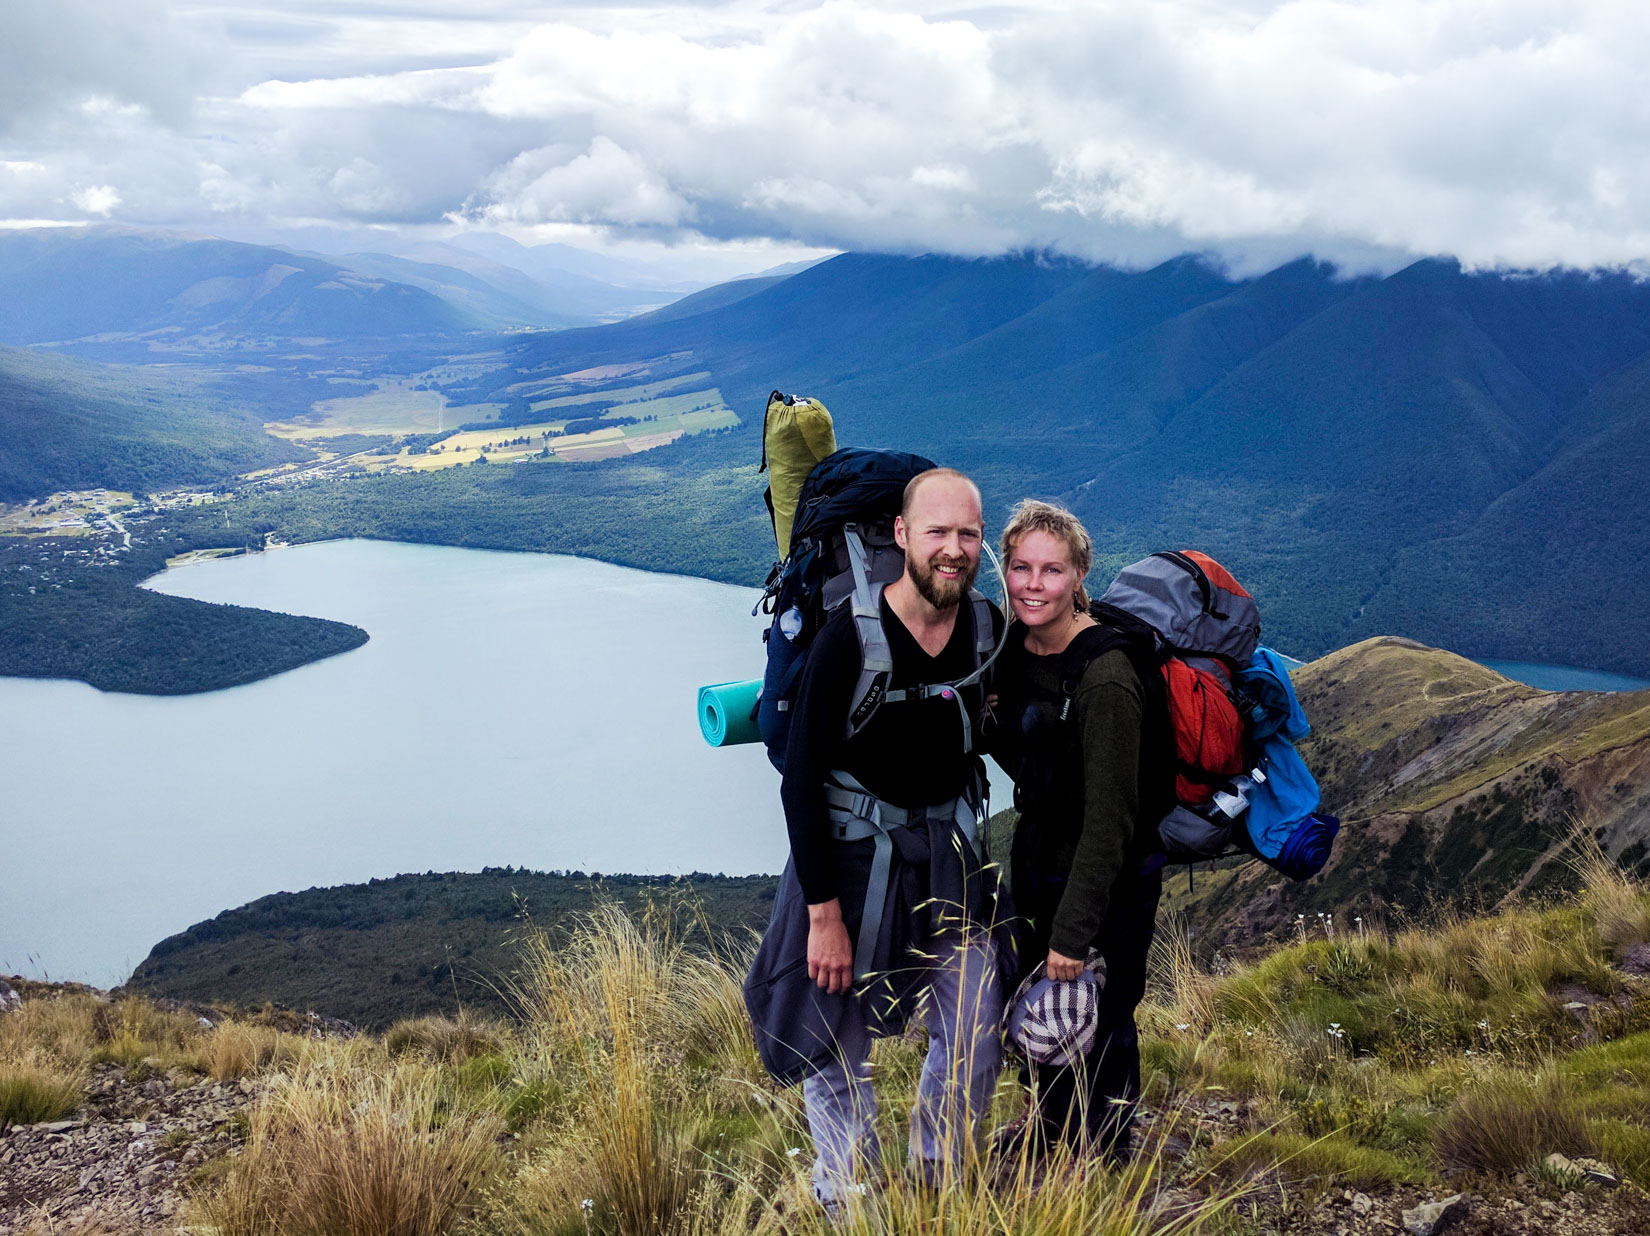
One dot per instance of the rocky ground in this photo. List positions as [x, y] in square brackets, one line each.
[1500, 1210]
[1578, 1198]
[124, 1163]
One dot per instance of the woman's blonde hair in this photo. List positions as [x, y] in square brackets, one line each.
[1034, 516]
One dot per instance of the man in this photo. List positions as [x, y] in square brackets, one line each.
[883, 911]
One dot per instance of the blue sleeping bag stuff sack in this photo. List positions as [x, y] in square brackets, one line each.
[1283, 821]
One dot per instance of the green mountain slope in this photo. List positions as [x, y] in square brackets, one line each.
[1323, 435]
[1557, 563]
[372, 953]
[67, 424]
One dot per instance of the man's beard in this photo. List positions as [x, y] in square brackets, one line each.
[939, 592]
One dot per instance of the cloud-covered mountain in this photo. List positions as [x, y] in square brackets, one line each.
[1454, 456]
[1117, 132]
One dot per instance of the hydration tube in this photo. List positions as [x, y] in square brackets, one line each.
[1002, 640]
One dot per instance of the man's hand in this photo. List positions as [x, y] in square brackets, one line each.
[1059, 965]
[830, 952]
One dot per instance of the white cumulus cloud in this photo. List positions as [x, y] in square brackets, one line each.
[1501, 131]
[96, 200]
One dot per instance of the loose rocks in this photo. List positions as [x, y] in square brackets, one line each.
[1430, 1217]
[124, 1164]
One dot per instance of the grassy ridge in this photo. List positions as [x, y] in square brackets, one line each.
[1402, 1065]
[1457, 787]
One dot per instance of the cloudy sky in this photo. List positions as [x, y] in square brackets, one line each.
[1505, 132]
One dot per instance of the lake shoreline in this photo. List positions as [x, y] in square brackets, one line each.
[487, 723]
[1540, 673]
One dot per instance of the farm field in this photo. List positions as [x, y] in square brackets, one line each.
[658, 422]
[395, 407]
[647, 391]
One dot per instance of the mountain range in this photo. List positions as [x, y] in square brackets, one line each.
[1451, 455]
[63, 285]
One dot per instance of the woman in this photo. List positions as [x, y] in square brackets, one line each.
[1070, 704]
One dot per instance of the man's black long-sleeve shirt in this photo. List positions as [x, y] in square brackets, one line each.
[909, 754]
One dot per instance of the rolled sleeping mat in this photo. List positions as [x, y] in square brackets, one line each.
[727, 713]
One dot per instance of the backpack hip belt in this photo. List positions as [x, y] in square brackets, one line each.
[855, 814]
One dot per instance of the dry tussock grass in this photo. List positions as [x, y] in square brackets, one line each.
[359, 1145]
[239, 1049]
[1618, 906]
[1508, 1123]
[60, 1027]
[35, 1086]
[448, 1040]
[612, 1007]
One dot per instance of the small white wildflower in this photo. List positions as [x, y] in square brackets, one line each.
[587, 1204]
[1248, 1034]
[1484, 1024]
[1183, 1025]
[858, 1190]
[793, 1152]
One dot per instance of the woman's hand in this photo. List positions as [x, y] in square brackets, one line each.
[1062, 967]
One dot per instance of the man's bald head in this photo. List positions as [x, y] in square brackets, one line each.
[922, 479]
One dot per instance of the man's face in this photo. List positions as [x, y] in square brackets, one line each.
[941, 540]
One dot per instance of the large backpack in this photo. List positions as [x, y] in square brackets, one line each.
[1223, 711]
[842, 549]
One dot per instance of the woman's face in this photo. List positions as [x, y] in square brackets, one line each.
[1041, 581]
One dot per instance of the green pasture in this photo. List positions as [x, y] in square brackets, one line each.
[647, 391]
[395, 407]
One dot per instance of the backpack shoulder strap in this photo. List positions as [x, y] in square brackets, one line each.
[876, 657]
[1086, 647]
[985, 637]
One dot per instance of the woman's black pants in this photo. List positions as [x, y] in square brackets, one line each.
[1092, 1103]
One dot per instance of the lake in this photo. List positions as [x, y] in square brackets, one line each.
[1565, 677]
[509, 710]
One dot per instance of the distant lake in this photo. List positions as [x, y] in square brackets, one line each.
[1564, 677]
[509, 710]
[1550, 677]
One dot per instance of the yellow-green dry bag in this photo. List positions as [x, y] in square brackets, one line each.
[796, 434]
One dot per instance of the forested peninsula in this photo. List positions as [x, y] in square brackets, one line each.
[433, 943]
